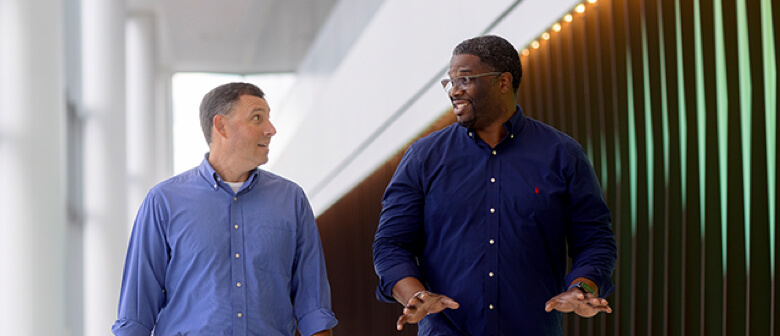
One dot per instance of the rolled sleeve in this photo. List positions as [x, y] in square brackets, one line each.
[130, 328]
[311, 290]
[316, 321]
[142, 293]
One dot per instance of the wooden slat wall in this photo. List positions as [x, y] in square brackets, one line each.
[675, 102]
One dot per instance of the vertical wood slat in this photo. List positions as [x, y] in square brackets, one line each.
[673, 194]
[759, 281]
[692, 240]
[658, 189]
[713, 282]
[591, 110]
[624, 233]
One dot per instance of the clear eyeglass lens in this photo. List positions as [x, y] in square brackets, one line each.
[461, 82]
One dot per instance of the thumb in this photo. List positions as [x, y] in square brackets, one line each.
[550, 305]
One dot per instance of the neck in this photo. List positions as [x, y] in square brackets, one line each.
[494, 132]
[226, 169]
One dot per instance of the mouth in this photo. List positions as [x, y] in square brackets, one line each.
[459, 105]
[263, 145]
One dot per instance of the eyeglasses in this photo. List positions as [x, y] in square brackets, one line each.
[463, 82]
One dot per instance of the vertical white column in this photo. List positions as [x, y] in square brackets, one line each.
[164, 124]
[142, 139]
[32, 201]
[105, 169]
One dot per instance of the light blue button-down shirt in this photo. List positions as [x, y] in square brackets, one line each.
[203, 260]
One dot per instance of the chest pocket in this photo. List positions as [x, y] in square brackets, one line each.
[272, 248]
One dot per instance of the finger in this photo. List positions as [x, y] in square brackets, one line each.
[450, 303]
[550, 305]
[603, 308]
[401, 321]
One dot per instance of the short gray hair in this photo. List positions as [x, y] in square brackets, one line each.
[220, 101]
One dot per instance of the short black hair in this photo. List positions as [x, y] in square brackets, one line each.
[220, 101]
[495, 52]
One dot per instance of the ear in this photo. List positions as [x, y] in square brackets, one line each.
[219, 125]
[506, 82]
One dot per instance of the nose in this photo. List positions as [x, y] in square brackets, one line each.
[455, 91]
[271, 130]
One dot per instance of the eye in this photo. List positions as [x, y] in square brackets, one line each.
[255, 117]
[461, 81]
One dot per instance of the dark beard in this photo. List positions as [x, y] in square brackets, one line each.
[468, 123]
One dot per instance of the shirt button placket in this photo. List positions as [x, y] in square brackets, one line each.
[238, 295]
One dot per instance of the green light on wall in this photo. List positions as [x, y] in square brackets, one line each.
[701, 114]
[723, 123]
[632, 148]
[681, 108]
[649, 136]
[770, 92]
[745, 94]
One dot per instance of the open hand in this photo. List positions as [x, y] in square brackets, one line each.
[423, 303]
[582, 304]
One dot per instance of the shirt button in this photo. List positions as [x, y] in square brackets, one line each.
[492, 210]
[238, 284]
[239, 315]
[511, 136]
[219, 179]
[235, 226]
[492, 179]
[470, 134]
[494, 152]
[490, 274]
[491, 307]
[237, 255]
[215, 186]
[235, 199]
[492, 242]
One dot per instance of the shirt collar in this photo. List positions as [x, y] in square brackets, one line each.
[207, 172]
[516, 122]
[512, 126]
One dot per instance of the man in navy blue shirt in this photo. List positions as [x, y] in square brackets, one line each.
[226, 248]
[479, 217]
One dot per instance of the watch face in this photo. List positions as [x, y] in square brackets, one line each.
[585, 288]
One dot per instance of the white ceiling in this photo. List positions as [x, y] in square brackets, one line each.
[233, 36]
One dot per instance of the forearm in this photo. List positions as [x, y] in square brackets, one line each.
[406, 288]
[323, 333]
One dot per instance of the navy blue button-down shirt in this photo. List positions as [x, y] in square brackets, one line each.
[203, 260]
[489, 227]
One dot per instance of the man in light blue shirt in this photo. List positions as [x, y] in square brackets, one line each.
[226, 248]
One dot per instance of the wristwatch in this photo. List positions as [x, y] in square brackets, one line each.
[583, 287]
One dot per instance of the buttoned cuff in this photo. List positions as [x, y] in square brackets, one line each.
[127, 327]
[390, 277]
[316, 321]
[604, 282]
